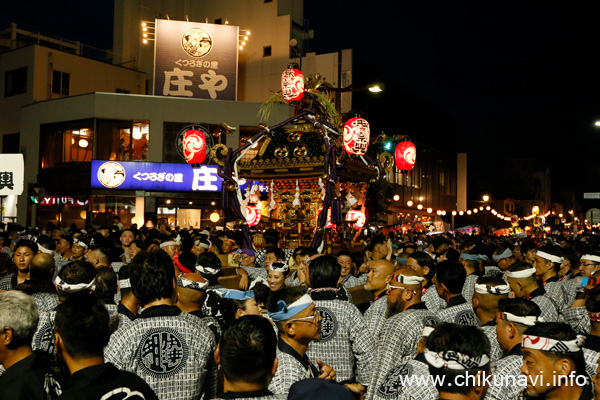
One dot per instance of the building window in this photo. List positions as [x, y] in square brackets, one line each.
[10, 143]
[61, 82]
[122, 140]
[267, 51]
[70, 142]
[15, 82]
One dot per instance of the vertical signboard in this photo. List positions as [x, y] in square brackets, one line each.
[196, 60]
[12, 174]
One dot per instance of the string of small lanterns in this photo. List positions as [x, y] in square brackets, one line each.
[476, 210]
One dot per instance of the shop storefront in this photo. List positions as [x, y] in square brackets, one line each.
[147, 193]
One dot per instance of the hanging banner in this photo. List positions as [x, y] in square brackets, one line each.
[197, 60]
[12, 174]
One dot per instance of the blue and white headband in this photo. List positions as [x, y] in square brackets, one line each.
[505, 254]
[279, 266]
[235, 294]
[470, 257]
[287, 312]
[190, 284]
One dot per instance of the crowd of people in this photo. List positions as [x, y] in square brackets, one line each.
[115, 313]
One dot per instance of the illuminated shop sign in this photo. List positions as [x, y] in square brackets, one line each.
[133, 175]
[64, 200]
[195, 60]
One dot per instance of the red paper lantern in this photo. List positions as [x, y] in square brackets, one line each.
[194, 146]
[406, 155]
[356, 136]
[328, 224]
[357, 215]
[253, 215]
[292, 84]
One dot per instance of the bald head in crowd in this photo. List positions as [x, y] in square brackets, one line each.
[99, 257]
[380, 272]
[42, 268]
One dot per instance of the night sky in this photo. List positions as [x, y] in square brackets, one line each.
[518, 79]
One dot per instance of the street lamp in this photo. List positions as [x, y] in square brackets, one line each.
[485, 199]
[373, 88]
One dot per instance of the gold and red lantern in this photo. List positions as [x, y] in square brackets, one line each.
[292, 83]
[358, 216]
[406, 155]
[357, 134]
[253, 215]
[194, 146]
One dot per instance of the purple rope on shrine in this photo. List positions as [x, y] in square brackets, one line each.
[229, 199]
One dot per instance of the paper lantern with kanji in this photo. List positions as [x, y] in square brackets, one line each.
[194, 146]
[328, 224]
[292, 84]
[358, 216]
[406, 155]
[253, 215]
[356, 136]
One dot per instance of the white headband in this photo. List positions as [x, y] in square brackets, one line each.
[44, 250]
[529, 320]
[526, 273]
[124, 283]
[409, 280]
[176, 241]
[279, 266]
[207, 270]
[455, 360]
[590, 257]
[203, 245]
[258, 280]
[74, 287]
[505, 254]
[487, 289]
[549, 257]
[553, 345]
[427, 331]
[81, 243]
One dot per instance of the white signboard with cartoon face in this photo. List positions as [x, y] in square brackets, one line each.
[196, 60]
